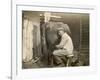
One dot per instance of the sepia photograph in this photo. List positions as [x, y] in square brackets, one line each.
[55, 39]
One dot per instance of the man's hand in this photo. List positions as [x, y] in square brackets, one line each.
[57, 46]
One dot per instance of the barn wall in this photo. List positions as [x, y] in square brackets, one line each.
[34, 35]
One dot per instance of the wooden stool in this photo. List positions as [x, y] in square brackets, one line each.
[69, 61]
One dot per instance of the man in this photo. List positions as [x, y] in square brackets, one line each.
[64, 48]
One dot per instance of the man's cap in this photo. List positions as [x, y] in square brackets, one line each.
[60, 29]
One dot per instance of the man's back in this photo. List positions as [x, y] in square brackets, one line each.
[66, 43]
[69, 44]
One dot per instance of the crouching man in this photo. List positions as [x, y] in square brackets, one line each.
[64, 48]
